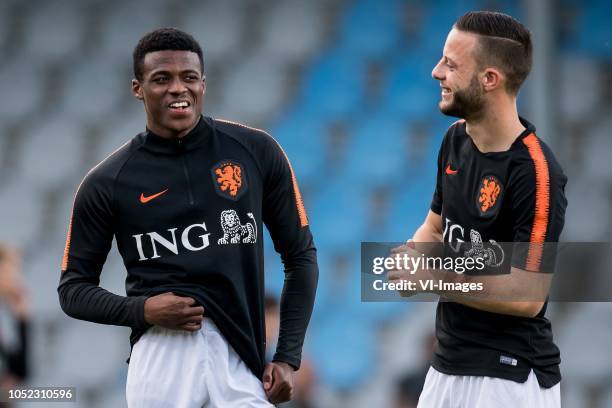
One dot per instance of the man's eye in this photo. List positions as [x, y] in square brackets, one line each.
[191, 77]
[160, 80]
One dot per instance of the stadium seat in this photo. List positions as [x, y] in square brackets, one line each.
[581, 90]
[411, 92]
[594, 31]
[218, 26]
[101, 347]
[304, 139]
[111, 90]
[53, 42]
[377, 151]
[23, 85]
[343, 351]
[334, 86]
[21, 212]
[287, 39]
[126, 22]
[371, 29]
[6, 16]
[253, 102]
[52, 153]
[339, 213]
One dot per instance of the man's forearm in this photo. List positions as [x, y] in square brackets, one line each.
[296, 303]
[521, 297]
[81, 298]
[425, 233]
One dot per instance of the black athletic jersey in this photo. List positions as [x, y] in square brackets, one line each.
[511, 196]
[187, 216]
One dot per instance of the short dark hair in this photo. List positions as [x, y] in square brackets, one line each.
[504, 42]
[164, 39]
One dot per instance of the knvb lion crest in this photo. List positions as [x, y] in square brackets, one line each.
[234, 232]
[488, 194]
[229, 179]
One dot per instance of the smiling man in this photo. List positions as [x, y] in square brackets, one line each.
[496, 182]
[185, 201]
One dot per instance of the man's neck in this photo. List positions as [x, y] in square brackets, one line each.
[171, 133]
[496, 129]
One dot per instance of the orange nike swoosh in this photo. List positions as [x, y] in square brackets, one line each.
[450, 171]
[145, 200]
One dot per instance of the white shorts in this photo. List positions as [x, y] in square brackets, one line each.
[459, 391]
[180, 369]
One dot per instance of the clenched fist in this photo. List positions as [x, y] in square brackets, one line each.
[173, 312]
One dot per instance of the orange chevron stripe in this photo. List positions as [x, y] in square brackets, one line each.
[542, 206]
[67, 247]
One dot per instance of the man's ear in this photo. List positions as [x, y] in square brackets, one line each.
[137, 89]
[492, 79]
[203, 85]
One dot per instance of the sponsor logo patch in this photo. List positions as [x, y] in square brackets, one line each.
[234, 232]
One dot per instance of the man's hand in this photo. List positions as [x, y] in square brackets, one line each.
[396, 275]
[173, 312]
[278, 382]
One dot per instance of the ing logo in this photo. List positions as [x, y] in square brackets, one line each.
[229, 179]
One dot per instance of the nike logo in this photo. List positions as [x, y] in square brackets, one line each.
[145, 200]
[450, 171]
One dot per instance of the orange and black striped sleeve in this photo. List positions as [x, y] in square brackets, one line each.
[89, 238]
[285, 217]
[538, 205]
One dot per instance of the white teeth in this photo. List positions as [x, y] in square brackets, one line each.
[179, 104]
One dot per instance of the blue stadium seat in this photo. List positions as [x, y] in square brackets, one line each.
[440, 18]
[377, 151]
[410, 208]
[371, 28]
[343, 351]
[595, 32]
[304, 138]
[411, 91]
[338, 216]
[334, 86]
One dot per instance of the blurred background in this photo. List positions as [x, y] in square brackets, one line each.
[346, 88]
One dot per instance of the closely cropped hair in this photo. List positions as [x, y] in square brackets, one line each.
[504, 43]
[161, 40]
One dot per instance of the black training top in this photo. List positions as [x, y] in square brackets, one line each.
[187, 216]
[511, 196]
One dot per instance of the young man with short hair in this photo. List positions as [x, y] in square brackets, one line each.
[496, 182]
[186, 201]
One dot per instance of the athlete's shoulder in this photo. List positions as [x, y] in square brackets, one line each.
[258, 142]
[534, 154]
[535, 166]
[455, 132]
[455, 135]
[107, 170]
[241, 131]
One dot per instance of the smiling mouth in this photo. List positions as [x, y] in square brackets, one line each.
[446, 91]
[179, 106]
